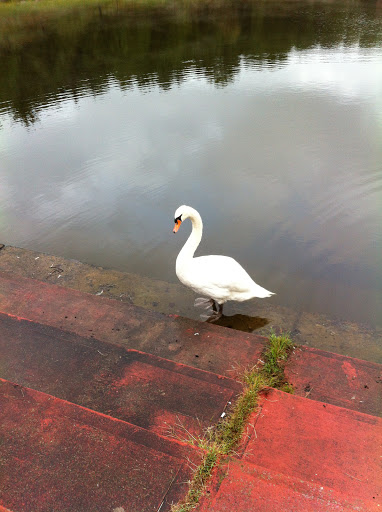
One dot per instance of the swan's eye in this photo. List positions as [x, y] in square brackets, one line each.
[178, 218]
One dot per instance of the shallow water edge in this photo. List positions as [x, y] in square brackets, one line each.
[314, 330]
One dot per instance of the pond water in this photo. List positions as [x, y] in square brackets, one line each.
[266, 118]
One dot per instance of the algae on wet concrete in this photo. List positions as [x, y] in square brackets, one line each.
[259, 317]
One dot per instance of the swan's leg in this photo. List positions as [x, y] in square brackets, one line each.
[212, 318]
[216, 314]
[217, 309]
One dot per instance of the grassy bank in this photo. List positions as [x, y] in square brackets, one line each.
[22, 22]
[32, 11]
[40, 6]
[221, 441]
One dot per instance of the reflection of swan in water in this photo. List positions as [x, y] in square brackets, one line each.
[220, 278]
[242, 322]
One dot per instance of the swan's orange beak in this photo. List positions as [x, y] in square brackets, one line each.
[177, 225]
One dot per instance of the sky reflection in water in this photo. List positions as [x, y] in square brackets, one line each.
[284, 164]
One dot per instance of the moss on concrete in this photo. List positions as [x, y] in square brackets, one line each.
[221, 441]
[261, 317]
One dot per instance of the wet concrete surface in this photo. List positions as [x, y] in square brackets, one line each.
[132, 386]
[259, 316]
[103, 396]
[78, 328]
[201, 345]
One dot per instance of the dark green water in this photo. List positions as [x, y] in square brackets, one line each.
[266, 117]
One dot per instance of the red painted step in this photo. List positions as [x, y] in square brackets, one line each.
[336, 379]
[58, 456]
[244, 487]
[328, 455]
[202, 345]
[143, 389]
[324, 376]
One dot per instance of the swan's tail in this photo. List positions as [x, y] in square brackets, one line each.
[266, 294]
[262, 293]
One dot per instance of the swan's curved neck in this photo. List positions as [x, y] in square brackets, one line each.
[189, 248]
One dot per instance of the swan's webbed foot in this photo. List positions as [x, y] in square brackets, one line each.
[211, 318]
[213, 309]
[202, 302]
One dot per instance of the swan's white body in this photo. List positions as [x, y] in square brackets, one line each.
[220, 278]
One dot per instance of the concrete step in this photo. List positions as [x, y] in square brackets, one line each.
[245, 487]
[302, 455]
[316, 374]
[119, 379]
[202, 345]
[336, 379]
[59, 456]
[146, 390]
[312, 329]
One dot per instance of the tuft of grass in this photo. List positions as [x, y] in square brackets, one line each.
[229, 432]
[275, 356]
[220, 442]
[199, 481]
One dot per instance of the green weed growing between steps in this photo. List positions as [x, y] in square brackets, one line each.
[221, 441]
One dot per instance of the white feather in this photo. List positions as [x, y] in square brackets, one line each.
[219, 277]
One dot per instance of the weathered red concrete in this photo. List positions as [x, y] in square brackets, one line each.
[142, 389]
[58, 456]
[316, 374]
[202, 345]
[300, 454]
[243, 487]
[336, 379]
[303, 456]
[320, 443]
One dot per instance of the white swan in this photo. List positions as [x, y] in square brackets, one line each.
[220, 278]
